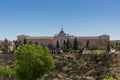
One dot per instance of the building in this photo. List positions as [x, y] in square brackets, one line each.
[10, 44]
[98, 41]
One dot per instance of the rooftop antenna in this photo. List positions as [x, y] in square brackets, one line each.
[62, 28]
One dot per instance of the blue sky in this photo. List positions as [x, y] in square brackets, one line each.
[45, 17]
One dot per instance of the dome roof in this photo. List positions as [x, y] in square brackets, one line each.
[62, 31]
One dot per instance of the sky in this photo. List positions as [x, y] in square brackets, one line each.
[46, 17]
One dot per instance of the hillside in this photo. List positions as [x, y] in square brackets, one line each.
[85, 67]
[79, 66]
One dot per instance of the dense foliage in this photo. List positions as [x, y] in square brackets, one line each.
[32, 62]
[5, 47]
[75, 44]
[115, 45]
[6, 72]
[58, 46]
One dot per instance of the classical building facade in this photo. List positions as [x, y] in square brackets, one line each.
[98, 41]
[11, 45]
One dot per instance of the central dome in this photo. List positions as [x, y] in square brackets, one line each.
[61, 30]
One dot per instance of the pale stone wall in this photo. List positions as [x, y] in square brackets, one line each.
[62, 36]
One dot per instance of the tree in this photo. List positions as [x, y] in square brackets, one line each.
[68, 44]
[93, 46]
[36, 43]
[87, 44]
[30, 42]
[5, 47]
[107, 44]
[117, 45]
[24, 41]
[50, 46]
[17, 43]
[75, 44]
[6, 72]
[112, 45]
[64, 46]
[32, 62]
[80, 50]
[58, 46]
[64, 43]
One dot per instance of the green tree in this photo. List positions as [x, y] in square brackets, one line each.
[30, 42]
[64, 43]
[68, 44]
[24, 41]
[36, 43]
[80, 51]
[108, 45]
[64, 46]
[75, 44]
[87, 44]
[6, 72]
[50, 46]
[58, 46]
[17, 43]
[5, 47]
[117, 45]
[93, 47]
[32, 62]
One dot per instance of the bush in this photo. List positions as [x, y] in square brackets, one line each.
[109, 78]
[6, 72]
